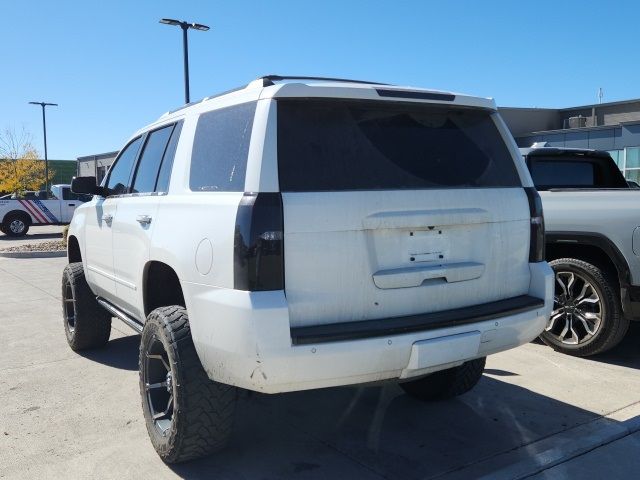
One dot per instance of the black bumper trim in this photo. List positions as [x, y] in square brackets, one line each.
[384, 327]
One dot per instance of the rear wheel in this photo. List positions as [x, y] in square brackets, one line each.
[187, 415]
[86, 323]
[16, 225]
[446, 383]
[587, 315]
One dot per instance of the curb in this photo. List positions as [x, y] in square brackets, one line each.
[44, 254]
[531, 459]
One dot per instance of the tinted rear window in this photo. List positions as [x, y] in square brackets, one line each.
[556, 174]
[575, 172]
[346, 145]
[220, 149]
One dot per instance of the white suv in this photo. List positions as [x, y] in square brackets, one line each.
[303, 233]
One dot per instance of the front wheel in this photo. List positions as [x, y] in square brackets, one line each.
[587, 316]
[86, 323]
[187, 415]
[448, 383]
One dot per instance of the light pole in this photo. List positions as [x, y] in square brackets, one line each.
[185, 26]
[46, 158]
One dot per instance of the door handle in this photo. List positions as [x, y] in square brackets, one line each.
[107, 218]
[143, 219]
[72, 204]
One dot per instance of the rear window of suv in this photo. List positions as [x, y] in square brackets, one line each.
[334, 145]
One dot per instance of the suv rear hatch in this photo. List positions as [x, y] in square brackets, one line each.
[394, 209]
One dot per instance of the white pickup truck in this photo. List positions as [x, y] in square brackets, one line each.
[592, 220]
[17, 213]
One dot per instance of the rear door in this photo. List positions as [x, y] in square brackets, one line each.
[133, 223]
[393, 209]
[68, 204]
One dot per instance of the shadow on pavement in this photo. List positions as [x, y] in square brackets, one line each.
[118, 353]
[30, 236]
[324, 433]
[351, 432]
[627, 353]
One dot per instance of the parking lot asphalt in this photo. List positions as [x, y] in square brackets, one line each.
[535, 413]
[46, 233]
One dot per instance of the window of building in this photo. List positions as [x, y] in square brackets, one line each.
[632, 157]
[618, 157]
[221, 148]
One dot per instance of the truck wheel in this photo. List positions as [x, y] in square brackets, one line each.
[446, 383]
[16, 225]
[187, 414]
[587, 316]
[86, 323]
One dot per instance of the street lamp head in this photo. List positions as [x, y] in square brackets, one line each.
[44, 104]
[199, 26]
[170, 21]
[184, 25]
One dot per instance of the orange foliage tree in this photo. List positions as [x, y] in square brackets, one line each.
[20, 168]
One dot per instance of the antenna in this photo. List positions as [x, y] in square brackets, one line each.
[600, 95]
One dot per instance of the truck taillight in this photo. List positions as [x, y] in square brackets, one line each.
[536, 245]
[258, 243]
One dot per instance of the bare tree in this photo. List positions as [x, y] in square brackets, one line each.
[14, 145]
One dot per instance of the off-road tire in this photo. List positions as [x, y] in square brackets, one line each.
[203, 410]
[446, 383]
[614, 324]
[91, 325]
[10, 218]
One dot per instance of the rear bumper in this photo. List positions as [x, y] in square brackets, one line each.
[244, 339]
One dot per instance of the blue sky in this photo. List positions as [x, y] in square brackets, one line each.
[113, 68]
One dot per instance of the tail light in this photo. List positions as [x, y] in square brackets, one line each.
[258, 243]
[536, 245]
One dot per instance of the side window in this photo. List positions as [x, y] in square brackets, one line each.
[162, 185]
[120, 172]
[150, 160]
[220, 149]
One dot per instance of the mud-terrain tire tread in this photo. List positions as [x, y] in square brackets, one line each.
[204, 409]
[615, 323]
[446, 383]
[92, 322]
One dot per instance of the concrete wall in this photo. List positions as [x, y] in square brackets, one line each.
[524, 120]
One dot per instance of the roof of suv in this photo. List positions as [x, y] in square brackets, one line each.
[277, 86]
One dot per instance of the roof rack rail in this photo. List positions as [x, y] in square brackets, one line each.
[267, 80]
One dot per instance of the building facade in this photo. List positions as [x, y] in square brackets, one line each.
[96, 165]
[614, 127]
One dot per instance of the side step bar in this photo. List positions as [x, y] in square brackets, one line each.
[126, 319]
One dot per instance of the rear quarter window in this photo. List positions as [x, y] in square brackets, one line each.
[332, 145]
[220, 149]
[574, 172]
